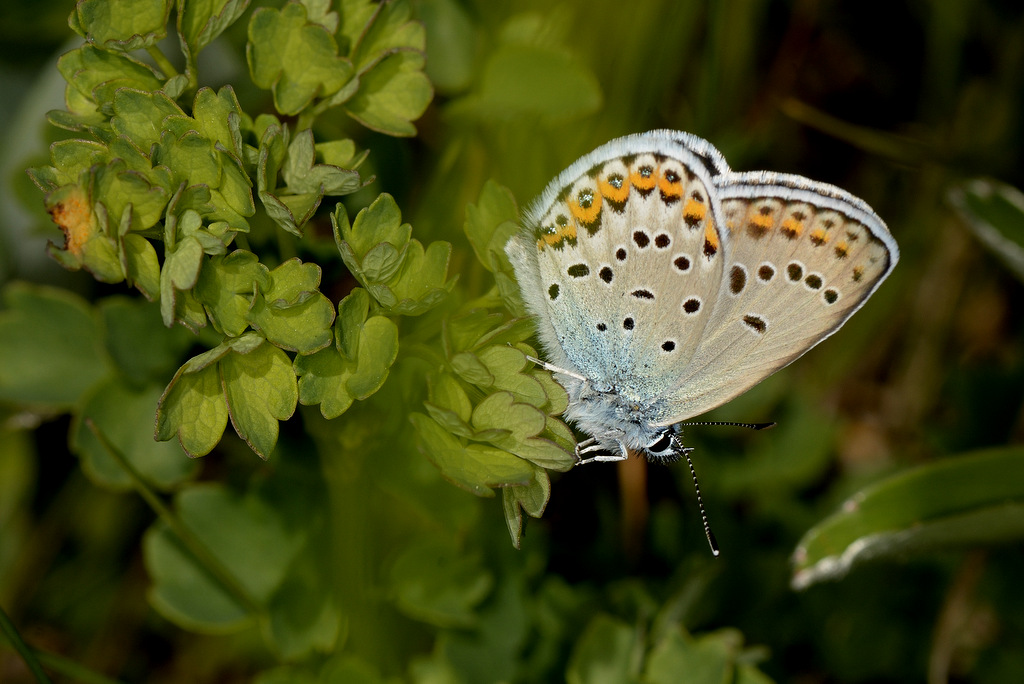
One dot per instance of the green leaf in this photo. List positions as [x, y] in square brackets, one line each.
[390, 30]
[122, 24]
[226, 287]
[378, 349]
[352, 313]
[261, 389]
[435, 581]
[966, 500]
[124, 415]
[191, 158]
[347, 668]
[303, 615]
[709, 659]
[94, 76]
[486, 224]
[291, 312]
[307, 182]
[291, 212]
[303, 175]
[217, 116]
[294, 58]
[340, 153]
[139, 116]
[470, 368]
[51, 347]
[506, 365]
[128, 320]
[994, 212]
[452, 42]
[193, 409]
[180, 272]
[71, 157]
[201, 21]
[532, 498]
[404, 278]
[323, 380]
[520, 425]
[522, 80]
[141, 265]
[196, 161]
[464, 331]
[500, 410]
[557, 397]
[121, 190]
[604, 653]
[356, 367]
[319, 11]
[475, 468]
[380, 222]
[447, 393]
[188, 311]
[356, 17]
[391, 95]
[244, 533]
[451, 422]
[420, 285]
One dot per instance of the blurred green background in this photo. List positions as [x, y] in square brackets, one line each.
[903, 103]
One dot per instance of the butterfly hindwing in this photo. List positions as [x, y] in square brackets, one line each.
[802, 258]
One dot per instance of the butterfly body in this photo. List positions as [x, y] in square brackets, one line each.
[663, 284]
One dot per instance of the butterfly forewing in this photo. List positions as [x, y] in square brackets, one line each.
[802, 258]
[621, 245]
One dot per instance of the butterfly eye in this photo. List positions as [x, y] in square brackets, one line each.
[662, 444]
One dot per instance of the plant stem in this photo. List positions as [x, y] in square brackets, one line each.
[72, 670]
[162, 62]
[26, 653]
[192, 543]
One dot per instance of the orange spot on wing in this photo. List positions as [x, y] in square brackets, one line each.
[568, 232]
[585, 214]
[642, 182]
[792, 228]
[694, 210]
[711, 236]
[670, 188]
[818, 237]
[612, 193]
[553, 237]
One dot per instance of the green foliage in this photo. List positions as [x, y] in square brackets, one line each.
[52, 348]
[994, 212]
[974, 498]
[260, 243]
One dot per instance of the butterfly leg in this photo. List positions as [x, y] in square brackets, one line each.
[599, 454]
[555, 369]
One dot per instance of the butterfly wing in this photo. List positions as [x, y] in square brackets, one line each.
[621, 238]
[801, 258]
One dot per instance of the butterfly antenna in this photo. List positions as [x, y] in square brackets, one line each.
[700, 504]
[752, 426]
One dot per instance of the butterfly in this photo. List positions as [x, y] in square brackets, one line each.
[663, 284]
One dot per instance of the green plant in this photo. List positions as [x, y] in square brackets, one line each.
[175, 190]
[286, 217]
